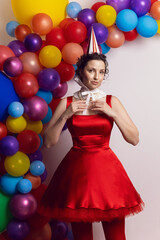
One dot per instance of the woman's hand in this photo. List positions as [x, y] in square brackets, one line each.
[75, 107]
[102, 106]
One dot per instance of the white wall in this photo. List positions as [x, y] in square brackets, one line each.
[134, 79]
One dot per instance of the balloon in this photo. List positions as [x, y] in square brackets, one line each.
[53, 105]
[35, 126]
[5, 215]
[31, 63]
[17, 165]
[10, 28]
[87, 17]
[29, 141]
[50, 56]
[9, 146]
[24, 186]
[35, 107]
[35, 156]
[105, 48]
[158, 23]
[43, 233]
[37, 168]
[35, 180]
[22, 31]
[23, 206]
[41, 141]
[131, 35]
[106, 15]
[17, 47]
[16, 125]
[101, 32]
[97, 5]
[152, 1]
[2, 169]
[119, 5]
[41, 23]
[46, 95]
[33, 42]
[59, 229]
[60, 91]
[3, 130]
[126, 20]
[13, 66]
[48, 79]
[15, 109]
[56, 37]
[155, 10]
[9, 184]
[75, 32]
[72, 9]
[44, 176]
[115, 37]
[147, 26]
[65, 21]
[26, 85]
[140, 7]
[66, 71]
[71, 52]
[48, 116]
[5, 53]
[17, 230]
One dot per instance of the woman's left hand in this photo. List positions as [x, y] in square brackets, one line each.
[101, 106]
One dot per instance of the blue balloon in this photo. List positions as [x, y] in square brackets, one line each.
[24, 186]
[41, 141]
[10, 28]
[126, 20]
[48, 116]
[15, 109]
[72, 9]
[75, 66]
[46, 95]
[9, 183]
[105, 48]
[37, 168]
[147, 26]
[7, 95]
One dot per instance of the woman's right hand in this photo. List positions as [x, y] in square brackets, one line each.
[75, 107]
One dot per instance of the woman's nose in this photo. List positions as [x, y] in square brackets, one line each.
[96, 75]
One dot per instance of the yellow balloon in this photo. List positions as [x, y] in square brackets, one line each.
[16, 125]
[50, 56]
[106, 15]
[35, 126]
[158, 22]
[17, 164]
[24, 10]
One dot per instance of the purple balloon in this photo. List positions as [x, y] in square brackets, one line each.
[23, 206]
[13, 66]
[44, 176]
[9, 145]
[60, 91]
[17, 47]
[59, 229]
[118, 5]
[17, 230]
[35, 107]
[140, 7]
[101, 32]
[33, 42]
[35, 156]
[48, 79]
[87, 17]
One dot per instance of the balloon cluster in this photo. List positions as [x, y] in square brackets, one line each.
[35, 69]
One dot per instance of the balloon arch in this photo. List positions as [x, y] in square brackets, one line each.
[35, 68]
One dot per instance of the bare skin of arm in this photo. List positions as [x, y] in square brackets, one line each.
[120, 116]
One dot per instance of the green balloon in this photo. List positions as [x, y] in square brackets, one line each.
[5, 214]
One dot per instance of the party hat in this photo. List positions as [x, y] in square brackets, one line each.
[93, 45]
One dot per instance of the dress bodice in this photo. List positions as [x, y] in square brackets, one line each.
[90, 131]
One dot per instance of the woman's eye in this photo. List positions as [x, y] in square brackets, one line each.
[90, 70]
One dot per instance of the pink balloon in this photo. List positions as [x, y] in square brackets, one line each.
[61, 90]
[115, 38]
[5, 53]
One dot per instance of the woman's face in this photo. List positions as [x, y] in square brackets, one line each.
[93, 74]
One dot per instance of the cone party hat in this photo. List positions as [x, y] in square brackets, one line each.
[93, 45]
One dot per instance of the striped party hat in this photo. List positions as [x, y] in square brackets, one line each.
[93, 45]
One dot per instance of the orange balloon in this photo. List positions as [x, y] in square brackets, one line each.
[155, 10]
[35, 180]
[41, 23]
[71, 52]
[22, 31]
[43, 233]
[31, 63]
[115, 38]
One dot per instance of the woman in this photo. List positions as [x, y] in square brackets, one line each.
[90, 184]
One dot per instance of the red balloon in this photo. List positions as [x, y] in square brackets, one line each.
[75, 32]
[131, 35]
[26, 85]
[5, 53]
[29, 141]
[2, 168]
[22, 31]
[152, 1]
[3, 130]
[66, 71]
[55, 37]
[65, 21]
[97, 5]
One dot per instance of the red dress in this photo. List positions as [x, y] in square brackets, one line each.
[90, 184]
